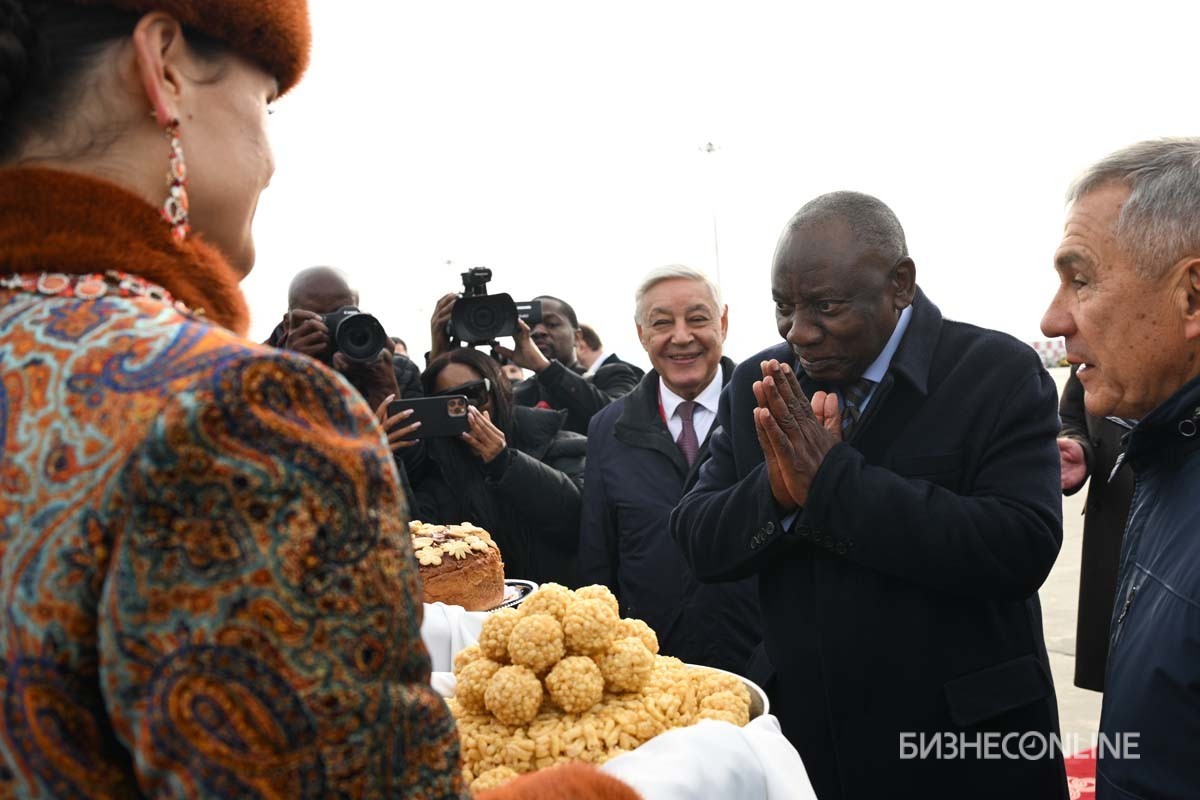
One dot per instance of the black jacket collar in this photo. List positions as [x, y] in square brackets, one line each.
[534, 429]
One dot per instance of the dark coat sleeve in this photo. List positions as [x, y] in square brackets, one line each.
[727, 526]
[1073, 418]
[598, 527]
[548, 493]
[408, 377]
[582, 398]
[998, 542]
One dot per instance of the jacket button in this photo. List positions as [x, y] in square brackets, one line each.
[769, 529]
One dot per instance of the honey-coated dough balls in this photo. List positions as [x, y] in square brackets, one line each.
[575, 684]
[599, 591]
[551, 598]
[493, 636]
[626, 665]
[536, 642]
[472, 682]
[466, 656]
[635, 627]
[589, 625]
[513, 695]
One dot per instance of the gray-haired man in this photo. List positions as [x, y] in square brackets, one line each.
[1128, 305]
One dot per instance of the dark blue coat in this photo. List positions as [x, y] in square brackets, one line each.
[903, 599]
[635, 476]
[1152, 687]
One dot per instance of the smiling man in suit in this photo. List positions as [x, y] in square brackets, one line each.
[900, 525]
[641, 451]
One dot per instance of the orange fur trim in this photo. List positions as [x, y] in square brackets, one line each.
[565, 782]
[53, 221]
[275, 33]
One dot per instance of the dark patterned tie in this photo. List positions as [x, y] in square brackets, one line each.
[687, 441]
[853, 395]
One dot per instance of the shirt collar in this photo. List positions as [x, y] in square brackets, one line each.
[709, 398]
[879, 366]
[601, 357]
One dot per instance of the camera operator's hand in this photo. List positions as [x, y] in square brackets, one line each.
[375, 380]
[524, 352]
[441, 341]
[397, 433]
[306, 333]
[484, 438]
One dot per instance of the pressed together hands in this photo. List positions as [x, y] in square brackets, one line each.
[793, 432]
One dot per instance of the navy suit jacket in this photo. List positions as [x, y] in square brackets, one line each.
[903, 598]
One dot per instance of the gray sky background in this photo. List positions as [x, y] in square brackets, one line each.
[559, 143]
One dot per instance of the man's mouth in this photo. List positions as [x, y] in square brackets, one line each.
[684, 358]
[1084, 366]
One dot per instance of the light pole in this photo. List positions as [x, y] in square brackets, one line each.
[708, 148]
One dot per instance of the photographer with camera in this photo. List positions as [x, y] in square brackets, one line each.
[544, 335]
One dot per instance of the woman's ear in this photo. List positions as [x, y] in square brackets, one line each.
[159, 50]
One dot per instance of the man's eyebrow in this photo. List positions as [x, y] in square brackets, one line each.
[1071, 259]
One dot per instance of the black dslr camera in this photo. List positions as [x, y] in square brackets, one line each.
[482, 318]
[356, 335]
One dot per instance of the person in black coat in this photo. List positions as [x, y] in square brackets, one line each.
[899, 528]
[518, 474]
[637, 468]
[1089, 447]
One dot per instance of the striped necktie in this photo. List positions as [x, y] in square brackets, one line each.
[853, 396]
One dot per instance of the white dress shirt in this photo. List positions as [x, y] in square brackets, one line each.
[601, 357]
[703, 415]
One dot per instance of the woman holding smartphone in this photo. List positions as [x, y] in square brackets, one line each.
[516, 472]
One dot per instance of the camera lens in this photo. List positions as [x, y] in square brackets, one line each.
[360, 337]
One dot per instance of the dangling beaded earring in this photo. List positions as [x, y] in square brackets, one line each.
[175, 208]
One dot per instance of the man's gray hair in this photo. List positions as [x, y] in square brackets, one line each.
[672, 272]
[1160, 222]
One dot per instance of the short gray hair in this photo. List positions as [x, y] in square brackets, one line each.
[1160, 222]
[672, 272]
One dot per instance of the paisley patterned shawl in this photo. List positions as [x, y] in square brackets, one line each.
[207, 582]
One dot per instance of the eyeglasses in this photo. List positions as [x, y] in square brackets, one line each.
[476, 392]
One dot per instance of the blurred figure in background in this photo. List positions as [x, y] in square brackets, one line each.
[592, 355]
[517, 473]
[642, 451]
[1090, 449]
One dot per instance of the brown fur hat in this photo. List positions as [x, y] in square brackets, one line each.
[274, 33]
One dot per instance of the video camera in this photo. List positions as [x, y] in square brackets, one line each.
[356, 335]
[482, 318]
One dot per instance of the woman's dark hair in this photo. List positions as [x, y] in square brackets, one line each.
[46, 49]
[486, 366]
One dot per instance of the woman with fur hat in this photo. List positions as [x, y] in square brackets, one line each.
[206, 576]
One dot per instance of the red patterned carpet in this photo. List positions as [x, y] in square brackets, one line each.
[1081, 775]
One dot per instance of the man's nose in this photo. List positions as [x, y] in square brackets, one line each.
[1057, 321]
[681, 333]
[803, 332]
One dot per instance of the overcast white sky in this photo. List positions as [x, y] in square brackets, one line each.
[559, 144]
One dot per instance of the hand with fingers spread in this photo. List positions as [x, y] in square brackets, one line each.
[796, 439]
[305, 332]
[399, 436]
[524, 352]
[484, 438]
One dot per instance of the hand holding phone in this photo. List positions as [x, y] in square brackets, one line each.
[438, 416]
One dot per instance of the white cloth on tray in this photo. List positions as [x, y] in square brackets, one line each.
[715, 759]
[448, 629]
